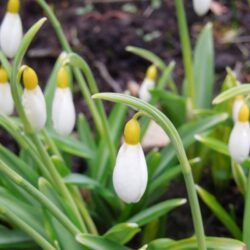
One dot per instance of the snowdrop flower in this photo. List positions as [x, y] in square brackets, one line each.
[148, 83]
[239, 141]
[11, 31]
[238, 102]
[33, 100]
[130, 173]
[6, 100]
[63, 109]
[201, 7]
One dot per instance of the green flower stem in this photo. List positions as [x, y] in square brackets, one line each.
[5, 63]
[42, 242]
[11, 217]
[15, 81]
[153, 113]
[20, 181]
[99, 117]
[246, 217]
[186, 49]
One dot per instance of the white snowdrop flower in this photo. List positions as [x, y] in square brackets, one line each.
[238, 102]
[33, 100]
[11, 31]
[148, 84]
[239, 141]
[130, 174]
[6, 100]
[201, 7]
[63, 109]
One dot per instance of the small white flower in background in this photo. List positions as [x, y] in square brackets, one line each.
[148, 83]
[33, 100]
[6, 100]
[201, 7]
[238, 102]
[239, 141]
[130, 174]
[63, 109]
[11, 31]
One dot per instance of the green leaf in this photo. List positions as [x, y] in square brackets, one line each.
[148, 55]
[14, 239]
[99, 243]
[214, 144]
[173, 106]
[156, 211]
[187, 133]
[219, 212]
[122, 233]
[239, 177]
[71, 146]
[243, 89]
[204, 68]
[213, 243]
[5, 63]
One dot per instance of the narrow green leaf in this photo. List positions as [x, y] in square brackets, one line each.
[99, 243]
[243, 89]
[239, 177]
[122, 233]
[71, 146]
[156, 211]
[5, 63]
[204, 68]
[148, 55]
[214, 144]
[14, 239]
[219, 212]
[213, 243]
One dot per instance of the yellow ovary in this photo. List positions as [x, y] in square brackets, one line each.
[3, 76]
[13, 6]
[151, 72]
[63, 78]
[30, 79]
[244, 113]
[132, 132]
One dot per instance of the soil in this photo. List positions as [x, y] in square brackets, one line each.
[101, 36]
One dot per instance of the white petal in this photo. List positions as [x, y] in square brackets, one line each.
[6, 100]
[11, 33]
[63, 111]
[201, 7]
[236, 108]
[35, 107]
[239, 141]
[144, 93]
[130, 174]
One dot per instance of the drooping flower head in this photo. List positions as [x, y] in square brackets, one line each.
[201, 7]
[148, 83]
[63, 109]
[130, 173]
[239, 141]
[11, 31]
[6, 100]
[33, 100]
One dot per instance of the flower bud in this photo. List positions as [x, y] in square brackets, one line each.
[63, 109]
[148, 83]
[33, 100]
[11, 31]
[130, 174]
[201, 7]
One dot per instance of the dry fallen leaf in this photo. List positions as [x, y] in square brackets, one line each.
[218, 8]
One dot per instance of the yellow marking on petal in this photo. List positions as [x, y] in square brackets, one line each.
[13, 6]
[244, 113]
[63, 78]
[152, 72]
[3, 76]
[30, 79]
[238, 98]
[132, 132]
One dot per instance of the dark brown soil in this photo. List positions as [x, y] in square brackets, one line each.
[101, 36]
